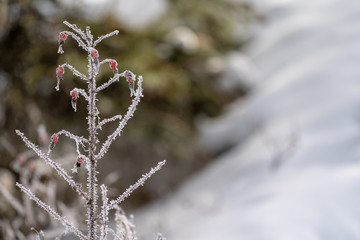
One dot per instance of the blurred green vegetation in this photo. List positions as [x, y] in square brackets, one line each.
[171, 54]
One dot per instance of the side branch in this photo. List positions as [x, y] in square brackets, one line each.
[103, 122]
[116, 32]
[112, 80]
[52, 212]
[78, 140]
[76, 29]
[139, 183]
[123, 122]
[80, 42]
[54, 165]
[75, 72]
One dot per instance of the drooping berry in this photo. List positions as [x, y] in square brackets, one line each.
[94, 54]
[130, 78]
[79, 160]
[59, 73]
[62, 38]
[74, 96]
[53, 140]
[113, 65]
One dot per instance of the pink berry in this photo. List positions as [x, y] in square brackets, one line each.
[63, 36]
[60, 71]
[54, 138]
[74, 94]
[113, 64]
[94, 53]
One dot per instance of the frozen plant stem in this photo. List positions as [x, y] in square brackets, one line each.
[93, 218]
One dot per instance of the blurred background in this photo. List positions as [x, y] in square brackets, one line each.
[254, 105]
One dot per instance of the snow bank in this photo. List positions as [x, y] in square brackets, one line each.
[293, 171]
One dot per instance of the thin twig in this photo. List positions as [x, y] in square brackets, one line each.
[112, 80]
[123, 122]
[52, 212]
[107, 120]
[75, 72]
[116, 32]
[54, 165]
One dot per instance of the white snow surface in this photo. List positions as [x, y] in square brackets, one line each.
[293, 169]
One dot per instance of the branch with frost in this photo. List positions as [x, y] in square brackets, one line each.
[123, 122]
[88, 34]
[116, 32]
[104, 213]
[107, 120]
[76, 29]
[112, 80]
[76, 38]
[54, 165]
[78, 140]
[140, 182]
[83, 93]
[52, 212]
[75, 72]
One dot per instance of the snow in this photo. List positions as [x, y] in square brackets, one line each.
[293, 169]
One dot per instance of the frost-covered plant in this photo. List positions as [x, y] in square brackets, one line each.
[97, 217]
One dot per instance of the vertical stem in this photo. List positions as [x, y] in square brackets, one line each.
[92, 179]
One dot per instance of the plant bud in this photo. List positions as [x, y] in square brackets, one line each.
[74, 96]
[130, 78]
[53, 140]
[113, 65]
[62, 38]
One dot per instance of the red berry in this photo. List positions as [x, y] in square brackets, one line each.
[63, 36]
[94, 53]
[54, 138]
[113, 64]
[74, 94]
[60, 71]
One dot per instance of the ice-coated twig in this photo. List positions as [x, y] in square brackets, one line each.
[112, 80]
[88, 34]
[78, 140]
[75, 72]
[76, 29]
[123, 122]
[82, 92]
[52, 212]
[106, 120]
[104, 213]
[105, 61]
[116, 32]
[79, 41]
[12, 201]
[139, 183]
[54, 165]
